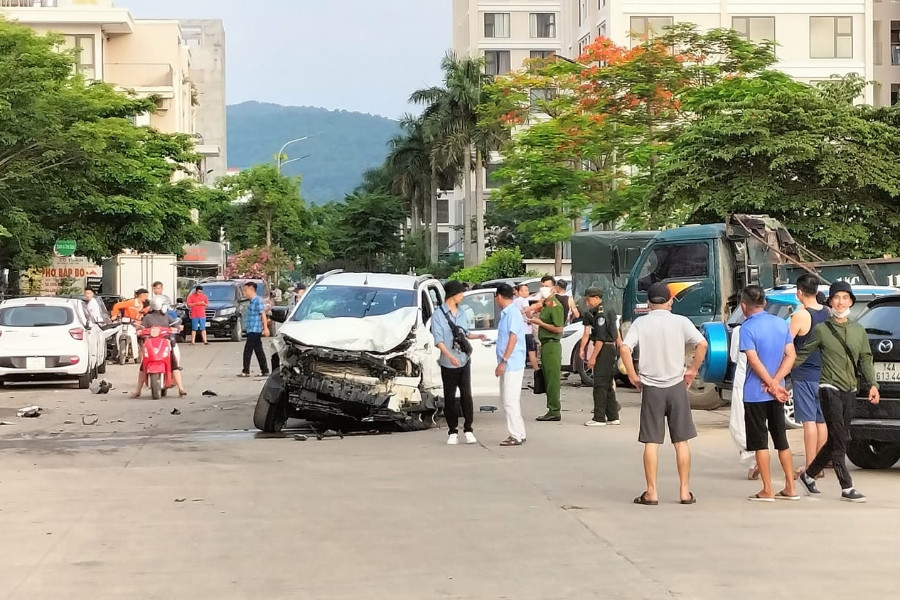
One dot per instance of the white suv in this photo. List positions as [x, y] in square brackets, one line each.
[358, 349]
[49, 339]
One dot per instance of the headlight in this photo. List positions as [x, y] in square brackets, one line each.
[227, 311]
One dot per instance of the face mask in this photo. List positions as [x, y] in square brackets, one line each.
[840, 315]
[546, 293]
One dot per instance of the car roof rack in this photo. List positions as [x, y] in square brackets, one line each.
[328, 274]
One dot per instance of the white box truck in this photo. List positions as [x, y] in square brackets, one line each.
[125, 273]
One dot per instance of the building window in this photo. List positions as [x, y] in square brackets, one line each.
[85, 59]
[831, 37]
[601, 31]
[443, 211]
[647, 28]
[543, 25]
[539, 95]
[544, 54]
[583, 43]
[895, 43]
[895, 93]
[443, 242]
[496, 25]
[755, 29]
[496, 62]
[492, 182]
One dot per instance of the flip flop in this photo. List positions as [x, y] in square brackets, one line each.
[758, 498]
[753, 473]
[691, 500]
[782, 496]
[642, 499]
[511, 441]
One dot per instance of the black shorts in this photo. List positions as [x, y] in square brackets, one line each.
[661, 405]
[757, 415]
[530, 344]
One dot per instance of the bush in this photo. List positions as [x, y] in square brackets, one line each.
[499, 265]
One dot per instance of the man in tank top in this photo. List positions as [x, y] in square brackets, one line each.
[805, 377]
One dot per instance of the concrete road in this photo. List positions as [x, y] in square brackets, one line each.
[147, 504]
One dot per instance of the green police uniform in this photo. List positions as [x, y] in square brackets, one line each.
[551, 355]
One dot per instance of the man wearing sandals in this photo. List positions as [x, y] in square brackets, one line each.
[767, 343]
[511, 363]
[664, 381]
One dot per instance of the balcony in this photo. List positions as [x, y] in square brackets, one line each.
[143, 78]
[52, 13]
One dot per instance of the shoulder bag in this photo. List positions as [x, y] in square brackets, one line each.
[853, 361]
[459, 336]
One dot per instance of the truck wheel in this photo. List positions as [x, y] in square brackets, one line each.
[84, 381]
[155, 385]
[704, 396]
[873, 455]
[237, 332]
[269, 418]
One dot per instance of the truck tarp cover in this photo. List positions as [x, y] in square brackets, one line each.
[592, 261]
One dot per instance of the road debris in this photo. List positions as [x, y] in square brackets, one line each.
[487, 408]
[6, 423]
[29, 411]
[92, 421]
[180, 499]
[209, 393]
[175, 411]
[300, 437]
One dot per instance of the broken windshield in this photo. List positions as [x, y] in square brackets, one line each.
[331, 302]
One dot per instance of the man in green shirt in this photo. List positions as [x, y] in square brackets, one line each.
[843, 345]
[550, 323]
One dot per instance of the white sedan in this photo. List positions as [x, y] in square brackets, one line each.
[45, 339]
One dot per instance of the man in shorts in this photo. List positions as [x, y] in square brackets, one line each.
[766, 342]
[197, 303]
[664, 381]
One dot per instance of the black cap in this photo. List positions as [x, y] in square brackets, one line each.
[593, 292]
[299, 287]
[659, 293]
[841, 286]
[453, 287]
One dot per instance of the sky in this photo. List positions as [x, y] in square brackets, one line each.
[358, 55]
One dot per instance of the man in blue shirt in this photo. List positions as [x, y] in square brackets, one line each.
[766, 342]
[511, 363]
[256, 326]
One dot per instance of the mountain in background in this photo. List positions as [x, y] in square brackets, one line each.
[348, 144]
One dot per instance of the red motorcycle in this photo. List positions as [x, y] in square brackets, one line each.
[157, 363]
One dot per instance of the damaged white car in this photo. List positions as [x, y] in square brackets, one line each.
[357, 353]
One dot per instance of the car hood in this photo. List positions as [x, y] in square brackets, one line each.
[219, 305]
[378, 334]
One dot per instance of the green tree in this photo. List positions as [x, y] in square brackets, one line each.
[367, 230]
[809, 156]
[73, 165]
[264, 208]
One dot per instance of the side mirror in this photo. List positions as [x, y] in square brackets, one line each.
[279, 314]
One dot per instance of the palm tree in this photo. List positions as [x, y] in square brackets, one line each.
[409, 166]
[450, 120]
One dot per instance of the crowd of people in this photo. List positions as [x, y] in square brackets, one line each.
[820, 348]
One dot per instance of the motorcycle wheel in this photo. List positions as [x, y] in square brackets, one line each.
[155, 385]
[123, 351]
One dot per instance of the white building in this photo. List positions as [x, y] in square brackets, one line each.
[815, 38]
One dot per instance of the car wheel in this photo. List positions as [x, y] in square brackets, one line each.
[873, 455]
[579, 366]
[155, 385]
[84, 381]
[704, 396]
[268, 417]
[238, 331]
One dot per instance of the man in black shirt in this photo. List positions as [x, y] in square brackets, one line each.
[600, 329]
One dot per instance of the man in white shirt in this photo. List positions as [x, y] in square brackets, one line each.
[93, 306]
[664, 381]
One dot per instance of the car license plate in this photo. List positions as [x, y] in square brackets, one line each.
[887, 372]
[35, 363]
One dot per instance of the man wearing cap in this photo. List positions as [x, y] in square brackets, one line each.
[846, 358]
[664, 381]
[600, 329]
[550, 324]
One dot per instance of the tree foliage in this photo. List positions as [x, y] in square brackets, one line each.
[264, 262]
[499, 265]
[73, 165]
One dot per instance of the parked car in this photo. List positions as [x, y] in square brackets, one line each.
[227, 310]
[46, 339]
[875, 429]
[782, 301]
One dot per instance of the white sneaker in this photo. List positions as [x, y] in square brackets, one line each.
[453, 439]
[616, 422]
[470, 438]
[593, 423]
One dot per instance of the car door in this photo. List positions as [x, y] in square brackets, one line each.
[83, 320]
[483, 315]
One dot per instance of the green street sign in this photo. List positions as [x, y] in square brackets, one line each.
[64, 247]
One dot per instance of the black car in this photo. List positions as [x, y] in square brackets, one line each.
[875, 429]
[226, 311]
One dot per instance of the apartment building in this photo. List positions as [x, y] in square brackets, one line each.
[148, 57]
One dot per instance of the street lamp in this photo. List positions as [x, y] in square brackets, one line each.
[280, 154]
[287, 162]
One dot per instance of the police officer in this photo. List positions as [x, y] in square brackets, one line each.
[600, 329]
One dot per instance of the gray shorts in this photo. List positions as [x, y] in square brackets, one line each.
[659, 405]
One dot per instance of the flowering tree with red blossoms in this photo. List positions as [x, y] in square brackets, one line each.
[261, 262]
